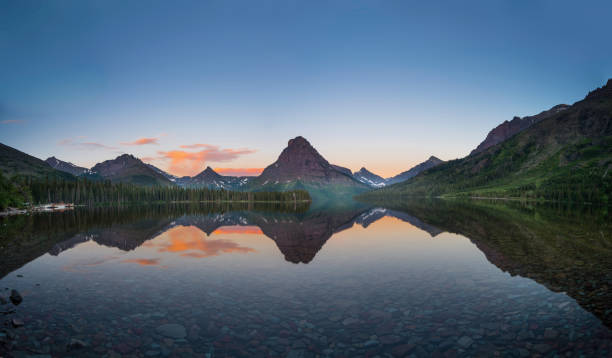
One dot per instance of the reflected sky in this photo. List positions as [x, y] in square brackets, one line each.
[332, 280]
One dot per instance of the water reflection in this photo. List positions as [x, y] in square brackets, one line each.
[400, 278]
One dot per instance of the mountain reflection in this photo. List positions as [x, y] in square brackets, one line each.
[565, 249]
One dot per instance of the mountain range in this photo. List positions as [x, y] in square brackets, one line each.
[299, 166]
[563, 154]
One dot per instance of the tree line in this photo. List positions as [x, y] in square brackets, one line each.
[29, 190]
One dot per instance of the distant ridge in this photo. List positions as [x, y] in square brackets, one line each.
[65, 166]
[416, 170]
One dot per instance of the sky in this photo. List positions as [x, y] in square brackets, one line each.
[376, 84]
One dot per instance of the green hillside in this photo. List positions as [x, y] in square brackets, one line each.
[16, 163]
[566, 157]
[16, 169]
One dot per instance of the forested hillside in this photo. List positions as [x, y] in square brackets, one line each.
[566, 157]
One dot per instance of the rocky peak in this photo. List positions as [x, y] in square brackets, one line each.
[301, 161]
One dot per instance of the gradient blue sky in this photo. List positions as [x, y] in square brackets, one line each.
[380, 84]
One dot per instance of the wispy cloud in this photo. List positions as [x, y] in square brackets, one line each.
[197, 145]
[85, 145]
[142, 141]
[12, 121]
[190, 163]
[239, 171]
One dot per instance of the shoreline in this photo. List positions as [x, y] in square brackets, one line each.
[59, 208]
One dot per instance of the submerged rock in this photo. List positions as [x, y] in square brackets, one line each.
[465, 341]
[172, 330]
[76, 344]
[16, 297]
[16, 322]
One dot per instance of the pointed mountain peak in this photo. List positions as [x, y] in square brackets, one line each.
[363, 170]
[434, 159]
[208, 173]
[300, 161]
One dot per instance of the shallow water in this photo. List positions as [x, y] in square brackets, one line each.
[407, 279]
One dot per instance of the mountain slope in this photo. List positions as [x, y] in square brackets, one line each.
[128, 169]
[368, 178]
[566, 157]
[414, 171]
[300, 166]
[66, 167]
[167, 175]
[14, 162]
[508, 129]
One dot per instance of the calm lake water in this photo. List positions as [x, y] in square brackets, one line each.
[401, 279]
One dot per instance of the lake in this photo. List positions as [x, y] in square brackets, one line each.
[407, 278]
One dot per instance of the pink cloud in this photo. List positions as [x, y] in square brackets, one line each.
[142, 141]
[85, 145]
[190, 163]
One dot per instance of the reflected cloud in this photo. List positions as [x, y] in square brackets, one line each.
[190, 241]
[144, 262]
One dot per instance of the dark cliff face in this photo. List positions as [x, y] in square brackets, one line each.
[508, 129]
[416, 170]
[301, 161]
